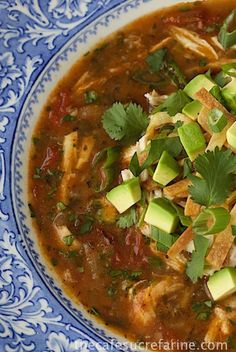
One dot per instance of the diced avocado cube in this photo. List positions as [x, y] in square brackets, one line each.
[231, 135]
[222, 283]
[125, 195]
[192, 109]
[166, 170]
[196, 84]
[229, 94]
[161, 214]
[192, 139]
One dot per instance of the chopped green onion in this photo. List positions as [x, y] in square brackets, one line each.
[216, 92]
[211, 221]
[222, 79]
[217, 120]
[229, 69]
[228, 39]
[164, 240]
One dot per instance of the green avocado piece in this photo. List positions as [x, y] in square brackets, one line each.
[222, 283]
[229, 95]
[192, 139]
[166, 170]
[192, 109]
[161, 214]
[196, 84]
[231, 135]
[125, 195]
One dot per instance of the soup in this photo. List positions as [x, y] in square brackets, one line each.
[132, 164]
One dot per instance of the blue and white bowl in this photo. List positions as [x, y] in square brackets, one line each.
[39, 41]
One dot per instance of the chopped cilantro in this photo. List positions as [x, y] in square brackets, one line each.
[195, 266]
[174, 103]
[94, 311]
[61, 206]
[111, 291]
[156, 60]
[54, 261]
[68, 118]
[35, 140]
[128, 219]
[125, 123]
[81, 269]
[203, 309]
[90, 96]
[188, 167]
[125, 274]
[68, 240]
[37, 173]
[214, 186]
[87, 225]
[160, 61]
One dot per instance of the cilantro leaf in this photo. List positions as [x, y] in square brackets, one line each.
[170, 144]
[127, 220]
[174, 103]
[125, 123]
[156, 60]
[161, 62]
[195, 266]
[216, 169]
[188, 167]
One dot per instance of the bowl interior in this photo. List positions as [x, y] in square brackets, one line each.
[71, 51]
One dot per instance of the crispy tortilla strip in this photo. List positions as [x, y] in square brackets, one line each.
[191, 41]
[210, 103]
[191, 208]
[220, 248]
[156, 121]
[215, 66]
[85, 151]
[181, 242]
[162, 44]
[202, 120]
[177, 190]
[220, 326]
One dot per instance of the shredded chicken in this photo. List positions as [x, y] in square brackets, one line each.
[191, 41]
[145, 301]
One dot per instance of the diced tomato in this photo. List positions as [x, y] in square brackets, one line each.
[51, 159]
[59, 108]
